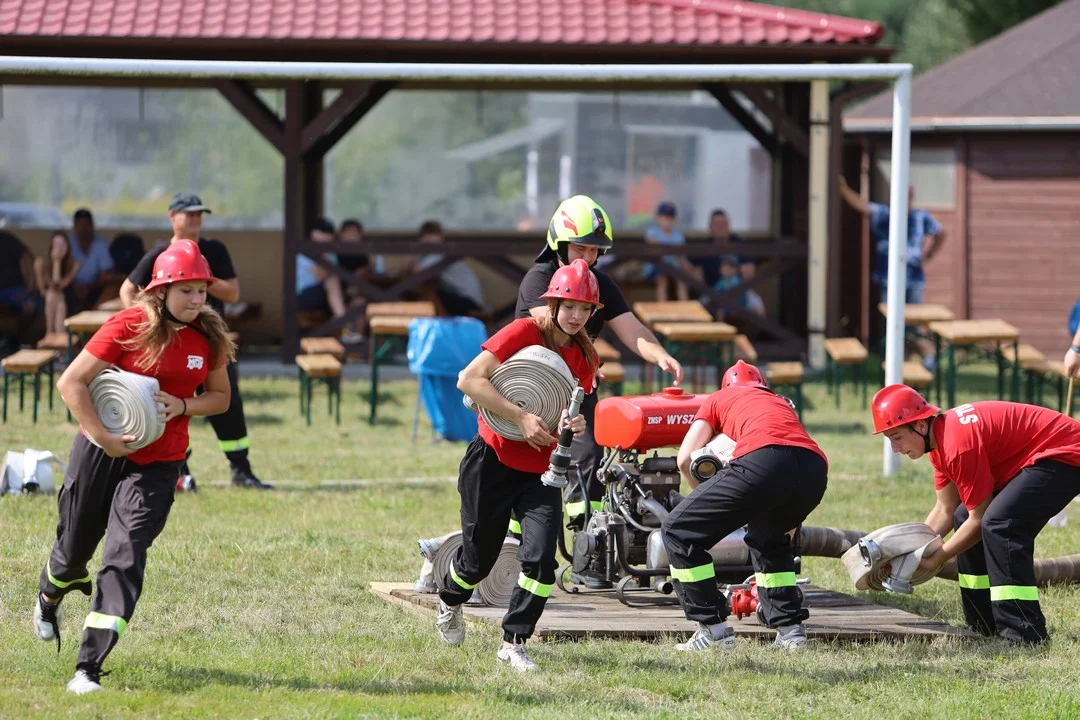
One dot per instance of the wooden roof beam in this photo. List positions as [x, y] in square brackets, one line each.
[242, 96]
[734, 108]
[332, 123]
[790, 128]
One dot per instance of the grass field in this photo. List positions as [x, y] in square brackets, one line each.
[257, 605]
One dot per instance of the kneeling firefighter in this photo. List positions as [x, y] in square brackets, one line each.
[776, 477]
[580, 230]
[1001, 471]
[499, 476]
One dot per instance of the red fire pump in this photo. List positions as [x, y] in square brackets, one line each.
[620, 544]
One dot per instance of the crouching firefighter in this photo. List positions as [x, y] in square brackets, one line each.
[580, 230]
[1001, 471]
[498, 475]
[776, 477]
[110, 490]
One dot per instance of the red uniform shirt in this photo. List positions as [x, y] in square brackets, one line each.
[182, 368]
[982, 446]
[755, 418]
[519, 334]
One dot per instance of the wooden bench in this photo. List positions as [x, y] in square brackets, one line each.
[55, 341]
[787, 375]
[388, 328]
[745, 350]
[699, 344]
[962, 333]
[614, 376]
[606, 351]
[115, 305]
[28, 362]
[1055, 371]
[319, 368]
[845, 352]
[323, 346]
[1031, 361]
[914, 373]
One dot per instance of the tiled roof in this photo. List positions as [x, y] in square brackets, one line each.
[1028, 71]
[589, 22]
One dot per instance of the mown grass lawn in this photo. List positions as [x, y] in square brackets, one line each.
[257, 604]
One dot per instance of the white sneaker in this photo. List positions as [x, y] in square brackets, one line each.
[720, 636]
[451, 624]
[47, 619]
[84, 681]
[517, 658]
[792, 637]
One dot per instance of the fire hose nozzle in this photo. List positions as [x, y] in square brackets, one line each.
[560, 457]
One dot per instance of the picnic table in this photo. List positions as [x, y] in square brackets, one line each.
[968, 333]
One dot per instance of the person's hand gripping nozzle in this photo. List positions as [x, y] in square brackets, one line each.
[560, 456]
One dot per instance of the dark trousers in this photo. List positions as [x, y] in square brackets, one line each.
[489, 492]
[997, 576]
[587, 455]
[132, 502]
[770, 491]
[231, 427]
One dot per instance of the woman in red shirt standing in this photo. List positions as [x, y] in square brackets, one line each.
[170, 334]
[776, 477]
[498, 475]
[1001, 471]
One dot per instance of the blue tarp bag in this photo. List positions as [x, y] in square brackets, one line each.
[440, 348]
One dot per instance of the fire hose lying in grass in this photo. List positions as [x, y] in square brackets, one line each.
[888, 562]
[125, 403]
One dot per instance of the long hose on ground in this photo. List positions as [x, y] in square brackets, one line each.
[833, 542]
[536, 379]
[125, 403]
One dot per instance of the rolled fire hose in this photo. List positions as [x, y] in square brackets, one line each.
[534, 378]
[496, 588]
[125, 403]
[834, 542]
[444, 556]
[889, 557]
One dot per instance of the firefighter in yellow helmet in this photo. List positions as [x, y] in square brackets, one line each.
[580, 229]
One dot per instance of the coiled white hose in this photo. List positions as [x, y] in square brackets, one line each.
[536, 379]
[125, 403]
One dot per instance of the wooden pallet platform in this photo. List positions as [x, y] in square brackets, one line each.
[833, 616]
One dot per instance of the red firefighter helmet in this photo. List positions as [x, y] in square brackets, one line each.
[743, 374]
[574, 282]
[898, 405]
[181, 262]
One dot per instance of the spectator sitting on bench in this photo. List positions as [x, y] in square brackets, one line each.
[664, 232]
[17, 284]
[732, 276]
[317, 288]
[55, 273]
[458, 291]
[96, 267]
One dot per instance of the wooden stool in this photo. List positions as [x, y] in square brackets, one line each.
[701, 343]
[1031, 361]
[319, 368]
[614, 377]
[29, 362]
[787, 374]
[744, 350]
[847, 352]
[323, 346]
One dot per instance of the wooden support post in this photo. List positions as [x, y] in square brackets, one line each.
[818, 257]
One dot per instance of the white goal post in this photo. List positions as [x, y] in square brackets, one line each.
[897, 73]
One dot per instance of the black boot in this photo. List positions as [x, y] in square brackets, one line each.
[242, 476]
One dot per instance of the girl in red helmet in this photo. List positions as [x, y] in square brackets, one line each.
[109, 489]
[776, 477]
[1001, 471]
[498, 475]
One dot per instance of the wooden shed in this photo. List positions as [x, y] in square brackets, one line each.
[995, 157]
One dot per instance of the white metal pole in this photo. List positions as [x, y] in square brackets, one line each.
[898, 226]
[20, 66]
